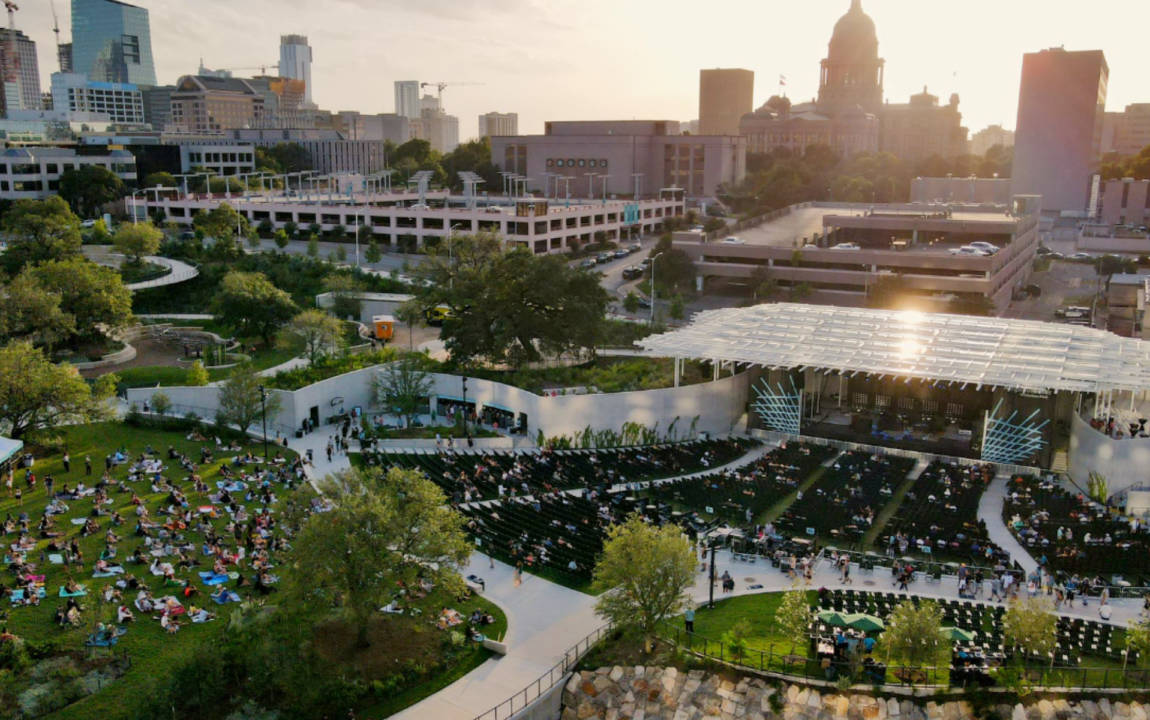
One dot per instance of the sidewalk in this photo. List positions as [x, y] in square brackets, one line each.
[990, 512]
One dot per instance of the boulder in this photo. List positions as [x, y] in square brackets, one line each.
[671, 672]
[814, 700]
[1121, 709]
[616, 674]
[588, 688]
[1105, 709]
[568, 714]
[640, 714]
[584, 711]
[792, 693]
[801, 696]
[1137, 710]
[601, 684]
[611, 714]
[639, 671]
[842, 705]
[1046, 708]
[892, 709]
[728, 707]
[627, 709]
[573, 683]
[602, 671]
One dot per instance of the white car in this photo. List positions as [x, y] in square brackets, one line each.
[985, 247]
[847, 246]
[1081, 256]
[419, 206]
[734, 241]
[494, 209]
[88, 224]
[968, 251]
[809, 246]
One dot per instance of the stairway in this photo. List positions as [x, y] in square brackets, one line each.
[1059, 464]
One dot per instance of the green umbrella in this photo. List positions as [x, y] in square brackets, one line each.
[958, 634]
[831, 617]
[862, 621]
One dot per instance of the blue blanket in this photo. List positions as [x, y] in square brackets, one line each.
[227, 597]
[213, 579]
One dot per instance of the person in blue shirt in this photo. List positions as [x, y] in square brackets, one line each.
[689, 620]
[868, 644]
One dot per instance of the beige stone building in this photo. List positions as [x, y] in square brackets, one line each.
[725, 95]
[209, 104]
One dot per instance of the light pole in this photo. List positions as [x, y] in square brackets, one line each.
[604, 179]
[590, 184]
[358, 216]
[134, 208]
[451, 251]
[653, 259]
[264, 417]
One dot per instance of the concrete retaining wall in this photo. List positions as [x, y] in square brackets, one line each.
[1122, 462]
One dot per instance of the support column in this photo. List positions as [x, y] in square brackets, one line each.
[677, 372]
[716, 368]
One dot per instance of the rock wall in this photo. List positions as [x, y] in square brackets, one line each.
[652, 693]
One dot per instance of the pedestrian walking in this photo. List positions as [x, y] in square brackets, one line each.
[518, 578]
[67, 463]
[689, 619]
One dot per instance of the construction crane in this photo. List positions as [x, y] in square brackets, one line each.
[56, 29]
[262, 68]
[442, 85]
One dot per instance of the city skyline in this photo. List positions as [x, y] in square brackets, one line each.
[545, 71]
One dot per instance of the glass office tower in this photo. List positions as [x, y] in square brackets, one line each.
[112, 42]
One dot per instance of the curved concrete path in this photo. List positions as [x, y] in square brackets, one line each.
[990, 512]
[180, 272]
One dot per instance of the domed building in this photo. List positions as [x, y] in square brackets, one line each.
[849, 114]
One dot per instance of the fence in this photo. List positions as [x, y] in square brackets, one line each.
[810, 671]
[551, 678]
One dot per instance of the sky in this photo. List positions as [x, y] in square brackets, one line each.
[626, 59]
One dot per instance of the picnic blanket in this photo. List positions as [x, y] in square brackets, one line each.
[80, 593]
[56, 559]
[79, 521]
[211, 578]
[226, 597]
[106, 640]
[110, 572]
[18, 595]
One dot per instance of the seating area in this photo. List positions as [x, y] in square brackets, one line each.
[469, 476]
[939, 515]
[1075, 535]
[843, 503]
[742, 495]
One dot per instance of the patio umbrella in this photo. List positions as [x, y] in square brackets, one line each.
[862, 621]
[831, 617]
[958, 634]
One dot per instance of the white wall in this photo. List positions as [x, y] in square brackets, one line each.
[718, 404]
[1122, 462]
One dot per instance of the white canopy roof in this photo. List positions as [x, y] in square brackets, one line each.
[981, 351]
[9, 447]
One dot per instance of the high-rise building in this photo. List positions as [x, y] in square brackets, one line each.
[1126, 133]
[112, 42]
[64, 56]
[988, 137]
[725, 96]
[158, 105]
[1058, 136]
[205, 104]
[407, 99]
[27, 71]
[123, 103]
[295, 63]
[494, 124]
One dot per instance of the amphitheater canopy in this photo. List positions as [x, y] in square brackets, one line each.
[984, 352]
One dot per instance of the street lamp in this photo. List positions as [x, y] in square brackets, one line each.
[264, 417]
[653, 259]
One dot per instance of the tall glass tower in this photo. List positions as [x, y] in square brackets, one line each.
[112, 42]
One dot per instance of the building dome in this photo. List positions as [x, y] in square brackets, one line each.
[854, 37]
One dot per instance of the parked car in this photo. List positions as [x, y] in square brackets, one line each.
[604, 257]
[88, 224]
[588, 263]
[968, 251]
[645, 263]
[809, 246]
[620, 254]
[734, 241]
[419, 206]
[847, 246]
[1081, 256]
[986, 247]
[1054, 256]
[695, 228]
[633, 273]
[644, 302]
[634, 248]
[494, 209]
[187, 235]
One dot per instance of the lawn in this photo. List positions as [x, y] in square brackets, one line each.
[175, 376]
[149, 648]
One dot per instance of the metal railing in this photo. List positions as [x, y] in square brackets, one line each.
[810, 671]
[556, 675]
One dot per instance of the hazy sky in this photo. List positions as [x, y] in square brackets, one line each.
[620, 59]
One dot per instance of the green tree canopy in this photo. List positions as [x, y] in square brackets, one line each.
[914, 634]
[315, 332]
[35, 393]
[418, 151]
[1031, 624]
[39, 231]
[90, 188]
[92, 294]
[385, 530]
[252, 306]
[29, 311]
[241, 402]
[644, 573]
[346, 291]
[794, 615]
[161, 179]
[221, 222]
[138, 241]
[402, 388]
[510, 306]
[291, 157]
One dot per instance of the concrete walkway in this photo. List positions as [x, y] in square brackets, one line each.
[990, 512]
[180, 272]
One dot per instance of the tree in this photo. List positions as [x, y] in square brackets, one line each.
[914, 634]
[631, 302]
[240, 401]
[419, 151]
[281, 239]
[265, 227]
[312, 246]
[512, 306]
[410, 314]
[1137, 640]
[267, 162]
[197, 375]
[314, 230]
[291, 228]
[644, 574]
[793, 617]
[92, 294]
[99, 234]
[31, 312]
[221, 222]
[801, 291]
[160, 179]
[340, 254]
[402, 388]
[90, 188]
[346, 295]
[291, 157]
[253, 239]
[161, 403]
[1030, 624]
[316, 332]
[676, 309]
[385, 530]
[373, 254]
[137, 241]
[252, 306]
[337, 232]
[39, 231]
[38, 394]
